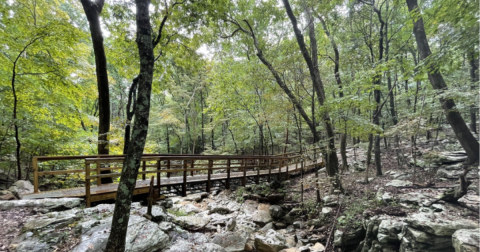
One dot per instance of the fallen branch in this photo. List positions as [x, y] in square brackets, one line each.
[454, 194]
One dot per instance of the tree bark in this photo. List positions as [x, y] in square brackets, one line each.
[454, 118]
[121, 215]
[132, 97]
[312, 63]
[92, 11]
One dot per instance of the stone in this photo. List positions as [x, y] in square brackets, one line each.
[142, 235]
[280, 225]
[21, 187]
[51, 220]
[362, 181]
[158, 214]
[213, 207]
[331, 200]
[466, 240]
[194, 197]
[399, 183]
[167, 203]
[327, 210]
[358, 166]
[230, 241]
[231, 224]
[275, 211]
[439, 224]
[191, 222]
[32, 245]
[298, 224]
[388, 230]
[49, 203]
[268, 227]
[315, 222]
[295, 212]
[272, 241]
[318, 247]
[7, 195]
[262, 215]
[452, 157]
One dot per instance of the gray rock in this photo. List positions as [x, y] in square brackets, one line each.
[142, 235]
[52, 220]
[230, 241]
[331, 200]
[33, 245]
[167, 203]
[452, 157]
[49, 203]
[21, 187]
[399, 183]
[262, 217]
[429, 222]
[268, 227]
[298, 224]
[295, 212]
[466, 240]
[276, 211]
[388, 230]
[272, 241]
[362, 181]
[191, 222]
[213, 207]
[7, 195]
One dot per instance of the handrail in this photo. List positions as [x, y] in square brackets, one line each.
[169, 164]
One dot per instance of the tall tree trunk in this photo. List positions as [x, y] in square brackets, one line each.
[121, 215]
[15, 123]
[168, 140]
[92, 11]
[203, 134]
[336, 70]
[132, 98]
[474, 78]
[454, 118]
[312, 63]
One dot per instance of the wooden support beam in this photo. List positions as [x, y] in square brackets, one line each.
[257, 181]
[209, 175]
[35, 174]
[244, 180]
[227, 186]
[144, 168]
[269, 170]
[191, 172]
[168, 168]
[184, 185]
[99, 180]
[159, 168]
[87, 184]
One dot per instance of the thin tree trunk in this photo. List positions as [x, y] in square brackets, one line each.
[121, 215]
[92, 11]
[455, 119]
[474, 78]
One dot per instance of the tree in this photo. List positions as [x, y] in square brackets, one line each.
[92, 11]
[454, 118]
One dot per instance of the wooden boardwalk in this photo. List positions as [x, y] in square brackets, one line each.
[101, 192]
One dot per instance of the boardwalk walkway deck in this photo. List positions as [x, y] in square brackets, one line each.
[284, 167]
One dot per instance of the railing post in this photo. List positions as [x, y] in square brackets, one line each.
[35, 174]
[99, 180]
[159, 167]
[191, 172]
[244, 180]
[87, 184]
[227, 186]
[209, 172]
[184, 185]
[168, 168]
[288, 174]
[257, 179]
[144, 168]
[269, 169]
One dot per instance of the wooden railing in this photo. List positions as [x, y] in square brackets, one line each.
[178, 165]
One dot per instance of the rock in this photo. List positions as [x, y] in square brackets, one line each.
[298, 224]
[318, 247]
[280, 225]
[158, 214]
[142, 235]
[353, 237]
[452, 157]
[401, 176]
[274, 198]
[268, 227]
[295, 212]
[358, 166]
[399, 183]
[32, 245]
[327, 210]
[213, 207]
[454, 174]
[429, 222]
[262, 215]
[388, 230]
[331, 200]
[230, 241]
[466, 240]
[338, 238]
[194, 197]
[7, 195]
[271, 242]
[315, 222]
[49, 203]
[191, 222]
[21, 187]
[167, 203]
[51, 220]
[362, 181]
[231, 224]
[275, 211]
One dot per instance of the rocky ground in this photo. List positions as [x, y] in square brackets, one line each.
[391, 213]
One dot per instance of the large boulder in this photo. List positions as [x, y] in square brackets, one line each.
[7, 195]
[21, 187]
[466, 240]
[214, 207]
[231, 242]
[191, 222]
[272, 241]
[49, 203]
[142, 235]
[262, 215]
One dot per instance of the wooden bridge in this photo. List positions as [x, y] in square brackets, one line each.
[172, 171]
